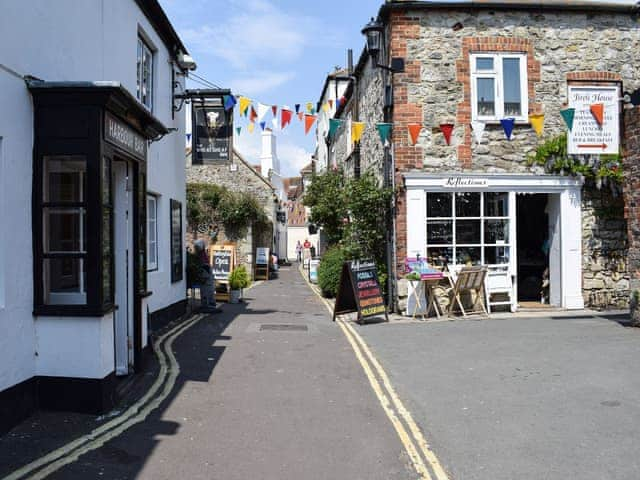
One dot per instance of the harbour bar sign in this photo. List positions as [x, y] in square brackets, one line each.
[123, 136]
[587, 136]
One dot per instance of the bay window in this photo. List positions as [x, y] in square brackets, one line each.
[499, 86]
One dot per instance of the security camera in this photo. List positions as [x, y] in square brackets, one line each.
[185, 62]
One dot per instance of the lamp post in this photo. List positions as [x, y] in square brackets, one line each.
[374, 33]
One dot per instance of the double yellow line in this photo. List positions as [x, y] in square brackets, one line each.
[424, 460]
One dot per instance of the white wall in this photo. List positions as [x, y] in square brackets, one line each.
[335, 90]
[71, 40]
[300, 233]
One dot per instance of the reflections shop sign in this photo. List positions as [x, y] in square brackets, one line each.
[465, 182]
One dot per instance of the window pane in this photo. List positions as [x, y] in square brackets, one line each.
[496, 255]
[496, 231]
[64, 230]
[440, 256]
[64, 179]
[468, 255]
[496, 204]
[486, 96]
[468, 204]
[483, 63]
[65, 281]
[439, 205]
[439, 232]
[511, 86]
[467, 231]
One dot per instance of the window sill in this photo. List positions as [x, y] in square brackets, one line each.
[497, 121]
[72, 310]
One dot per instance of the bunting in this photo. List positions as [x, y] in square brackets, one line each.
[446, 129]
[253, 115]
[334, 125]
[229, 102]
[325, 107]
[338, 103]
[274, 109]
[310, 107]
[330, 103]
[597, 110]
[262, 111]
[567, 116]
[274, 122]
[238, 130]
[244, 105]
[478, 130]
[308, 122]
[263, 125]
[384, 130]
[537, 122]
[414, 132]
[250, 127]
[507, 126]
[357, 129]
[285, 117]
[301, 116]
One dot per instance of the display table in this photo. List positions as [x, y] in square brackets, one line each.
[422, 297]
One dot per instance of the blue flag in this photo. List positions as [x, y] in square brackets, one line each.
[507, 125]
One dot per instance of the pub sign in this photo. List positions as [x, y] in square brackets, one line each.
[212, 129]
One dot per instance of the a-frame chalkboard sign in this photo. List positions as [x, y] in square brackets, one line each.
[359, 291]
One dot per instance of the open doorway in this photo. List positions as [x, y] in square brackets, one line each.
[533, 245]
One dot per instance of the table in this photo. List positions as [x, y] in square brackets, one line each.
[425, 291]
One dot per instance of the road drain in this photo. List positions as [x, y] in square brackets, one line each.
[284, 327]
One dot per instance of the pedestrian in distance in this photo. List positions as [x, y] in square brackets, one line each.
[299, 251]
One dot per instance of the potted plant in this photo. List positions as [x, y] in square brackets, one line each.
[238, 279]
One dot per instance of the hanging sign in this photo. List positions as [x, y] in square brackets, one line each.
[359, 291]
[596, 127]
[212, 131]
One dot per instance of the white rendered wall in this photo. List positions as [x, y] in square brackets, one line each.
[72, 40]
[300, 233]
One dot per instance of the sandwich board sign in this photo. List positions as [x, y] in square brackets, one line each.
[359, 291]
[222, 261]
[262, 264]
[596, 121]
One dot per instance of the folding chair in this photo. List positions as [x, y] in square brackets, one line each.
[499, 283]
[469, 279]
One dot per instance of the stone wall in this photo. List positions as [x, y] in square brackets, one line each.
[631, 189]
[244, 178]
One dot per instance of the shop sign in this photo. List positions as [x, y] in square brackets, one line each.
[211, 139]
[587, 136]
[465, 182]
[121, 135]
[359, 290]
[221, 261]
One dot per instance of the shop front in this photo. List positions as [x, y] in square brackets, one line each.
[526, 229]
[89, 239]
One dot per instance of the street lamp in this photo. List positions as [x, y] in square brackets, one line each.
[374, 33]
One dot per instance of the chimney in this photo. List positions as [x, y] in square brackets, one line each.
[268, 156]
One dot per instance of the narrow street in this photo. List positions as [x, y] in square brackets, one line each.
[270, 389]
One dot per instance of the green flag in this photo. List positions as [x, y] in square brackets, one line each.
[384, 130]
[334, 124]
[567, 115]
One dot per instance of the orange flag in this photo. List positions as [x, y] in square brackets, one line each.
[597, 110]
[414, 131]
[300, 116]
[308, 122]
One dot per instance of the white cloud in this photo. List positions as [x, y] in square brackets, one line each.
[258, 83]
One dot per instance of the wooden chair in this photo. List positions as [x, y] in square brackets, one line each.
[469, 279]
[499, 282]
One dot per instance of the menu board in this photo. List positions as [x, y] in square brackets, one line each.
[359, 290]
[221, 261]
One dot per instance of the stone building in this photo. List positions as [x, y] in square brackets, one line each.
[482, 202]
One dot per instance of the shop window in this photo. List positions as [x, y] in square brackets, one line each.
[499, 86]
[144, 86]
[152, 232]
[468, 228]
[64, 230]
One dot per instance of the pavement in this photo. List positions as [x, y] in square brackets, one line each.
[268, 389]
[520, 398]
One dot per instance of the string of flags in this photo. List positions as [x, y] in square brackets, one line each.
[309, 113]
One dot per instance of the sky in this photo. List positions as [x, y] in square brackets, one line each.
[277, 52]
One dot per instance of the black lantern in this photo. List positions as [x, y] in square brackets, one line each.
[373, 31]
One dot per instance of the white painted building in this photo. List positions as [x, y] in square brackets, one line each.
[333, 90]
[92, 183]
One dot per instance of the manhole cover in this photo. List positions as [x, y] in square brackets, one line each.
[284, 327]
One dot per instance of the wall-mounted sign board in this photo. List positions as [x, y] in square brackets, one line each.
[588, 135]
[359, 291]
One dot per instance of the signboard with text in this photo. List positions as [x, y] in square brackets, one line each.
[212, 127]
[222, 261]
[588, 134]
[122, 135]
[359, 291]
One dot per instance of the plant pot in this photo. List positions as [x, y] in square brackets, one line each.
[234, 296]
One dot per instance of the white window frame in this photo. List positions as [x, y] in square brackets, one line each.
[152, 247]
[497, 75]
[143, 48]
[454, 245]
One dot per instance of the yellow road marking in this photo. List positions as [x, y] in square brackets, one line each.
[359, 346]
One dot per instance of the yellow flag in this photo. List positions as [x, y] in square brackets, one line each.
[309, 107]
[325, 107]
[251, 126]
[357, 129]
[244, 104]
[537, 122]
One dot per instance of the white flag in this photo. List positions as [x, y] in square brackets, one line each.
[274, 121]
[262, 111]
[478, 130]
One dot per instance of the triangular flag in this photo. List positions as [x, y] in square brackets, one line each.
[384, 130]
[188, 137]
[330, 103]
[244, 105]
[338, 103]
[334, 124]
[343, 100]
[446, 129]
[229, 102]
[253, 116]
[301, 116]
[507, 125]
[308, 122]
[274, 122]
[262, 125]
[250, 127]
[262, 111]
[238, 130]
[537, 122]
[414, 131]
[285, 117]
[325, 107]
[478, 130]
[309, 107]
[597, 110]
[274, 109]
[567, 115]
[357, 129]
[297, 107]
